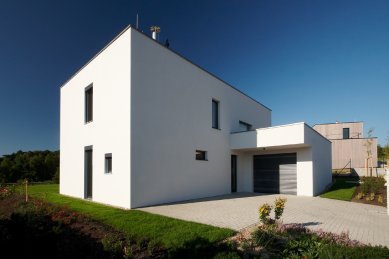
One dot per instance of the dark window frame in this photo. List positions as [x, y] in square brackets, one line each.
[215, 114]
[88, 172]
[346, 133]
[88, 103]
[108, 163]
[247, 125]
[201, 155]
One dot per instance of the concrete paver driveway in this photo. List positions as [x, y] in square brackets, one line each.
[365, 223]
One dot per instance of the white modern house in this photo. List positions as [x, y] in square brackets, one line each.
[142, 125]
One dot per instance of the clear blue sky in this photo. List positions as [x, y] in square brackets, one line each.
[314, 61]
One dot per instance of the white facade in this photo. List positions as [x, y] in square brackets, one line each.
[313, 154]
[152, 111]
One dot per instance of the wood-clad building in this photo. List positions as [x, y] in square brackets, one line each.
[349, 146]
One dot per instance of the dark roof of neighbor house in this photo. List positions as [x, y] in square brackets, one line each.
[130, 26]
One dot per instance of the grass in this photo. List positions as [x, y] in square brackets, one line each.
[342, 189]
[172, 233]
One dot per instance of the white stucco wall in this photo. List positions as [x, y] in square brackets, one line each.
[283, 135]
[171, 118]
[289, 135]
[322, 160]
[304, 169]
[312, 149]
[152, 111]
[109, 132]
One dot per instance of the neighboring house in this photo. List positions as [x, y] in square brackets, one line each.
[142, 125]
[349, 147]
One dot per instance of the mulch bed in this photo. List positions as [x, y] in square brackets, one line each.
[80, 238]
[373, 202]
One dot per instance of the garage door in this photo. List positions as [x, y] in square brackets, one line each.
[275, 173]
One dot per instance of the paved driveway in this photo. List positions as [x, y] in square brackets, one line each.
[366, 223]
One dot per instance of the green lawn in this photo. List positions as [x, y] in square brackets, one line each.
[172, 233]
[342, 189]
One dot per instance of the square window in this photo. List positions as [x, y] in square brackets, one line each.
[201, 155]
[108, 163]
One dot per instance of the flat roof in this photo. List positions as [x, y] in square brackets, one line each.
[337, 123]
[178, 54]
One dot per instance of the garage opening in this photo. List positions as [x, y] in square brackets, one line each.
[276, 173]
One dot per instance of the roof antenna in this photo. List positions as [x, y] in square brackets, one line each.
[137, 21]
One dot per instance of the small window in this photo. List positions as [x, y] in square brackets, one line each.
[244, 126]
[108, 163]
[201, 155]
[215, 114]
[89, 104]
[346, 133]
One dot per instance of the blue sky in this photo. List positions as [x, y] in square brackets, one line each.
[314, 61]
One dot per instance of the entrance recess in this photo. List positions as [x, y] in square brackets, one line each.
[275, 173]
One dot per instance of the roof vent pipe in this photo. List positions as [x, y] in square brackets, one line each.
[155, 31]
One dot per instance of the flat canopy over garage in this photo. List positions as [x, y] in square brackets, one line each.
[275, 173]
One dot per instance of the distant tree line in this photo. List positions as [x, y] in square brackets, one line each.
[32, 165]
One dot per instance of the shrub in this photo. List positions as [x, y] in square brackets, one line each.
[279, 206]
[334, 251]
[365, 187]
[5, 192]
[380, 199]
[227, 255]
[152, 247]
[55, 178]
[340, 239]
[372, 196]
[372, 184]
[264, 213]
[142, 242]
[112, 245]
[360, 195]
[63, 216]
[262, 237]
[127, 252]
[308, 246]
[246, 245]
[292, 230]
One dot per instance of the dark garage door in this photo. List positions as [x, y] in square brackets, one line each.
[275, 173]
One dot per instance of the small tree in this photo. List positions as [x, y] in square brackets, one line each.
[386, 148]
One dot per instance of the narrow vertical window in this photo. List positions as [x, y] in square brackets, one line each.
[346, 133]
[215, 114]
[89, 104]
[88, 172]
[108, 163]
